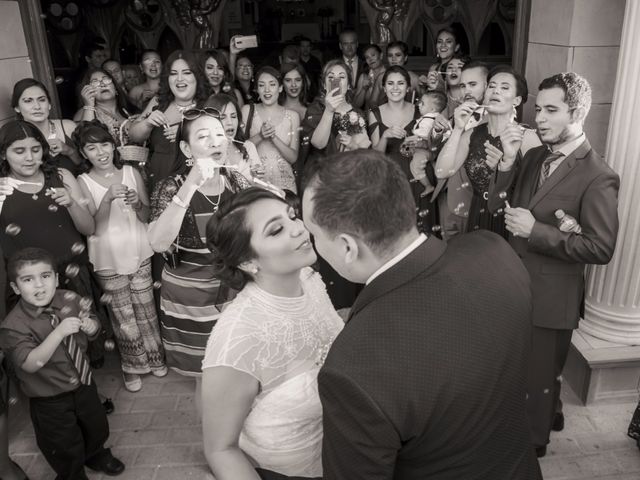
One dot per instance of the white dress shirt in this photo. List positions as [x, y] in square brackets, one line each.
[404, 253]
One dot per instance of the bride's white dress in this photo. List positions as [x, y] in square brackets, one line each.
[281, 342]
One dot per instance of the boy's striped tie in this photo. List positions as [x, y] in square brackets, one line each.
[75, 352]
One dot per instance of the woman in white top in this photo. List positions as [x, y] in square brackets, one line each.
[120, 252]
[274, 130]
[260, 400]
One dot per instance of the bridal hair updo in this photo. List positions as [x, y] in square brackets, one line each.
[229, 236]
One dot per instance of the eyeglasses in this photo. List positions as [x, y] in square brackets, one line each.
[96, 82]
[194, 113]
[245, 67]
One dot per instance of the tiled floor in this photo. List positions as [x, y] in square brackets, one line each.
[156, 433]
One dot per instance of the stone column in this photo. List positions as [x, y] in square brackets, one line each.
[613, 290]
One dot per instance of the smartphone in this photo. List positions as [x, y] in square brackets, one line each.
[333, 84]
[246, 41]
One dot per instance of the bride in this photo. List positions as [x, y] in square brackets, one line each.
[259, 388]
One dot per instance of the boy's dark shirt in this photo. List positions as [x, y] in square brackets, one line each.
[25, 328]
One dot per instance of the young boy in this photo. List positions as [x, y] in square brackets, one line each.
[45, 336]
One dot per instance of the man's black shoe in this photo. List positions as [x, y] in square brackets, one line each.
[541, 451]
[110, 466]
[558, 422]
[108, 406]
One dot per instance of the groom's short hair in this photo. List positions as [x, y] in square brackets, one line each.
[363, 193]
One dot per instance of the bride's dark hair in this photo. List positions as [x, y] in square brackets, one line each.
[229, 236]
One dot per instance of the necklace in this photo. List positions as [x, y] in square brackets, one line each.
[182, 108]
[217, 202]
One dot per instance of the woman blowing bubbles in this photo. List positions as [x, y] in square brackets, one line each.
[181, 205]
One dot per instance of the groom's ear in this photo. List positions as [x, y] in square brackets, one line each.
[350, 248]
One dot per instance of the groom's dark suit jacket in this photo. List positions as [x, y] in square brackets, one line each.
[427, 379]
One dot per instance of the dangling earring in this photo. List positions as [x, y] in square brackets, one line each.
[254, 270]
[514, 114]
[189, 161]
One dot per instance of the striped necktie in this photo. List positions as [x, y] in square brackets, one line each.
[73, 349]
[546, 167]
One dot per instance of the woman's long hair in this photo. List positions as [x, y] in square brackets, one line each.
[289, 67]
[19, 88]
[165, 95]
[15, 130]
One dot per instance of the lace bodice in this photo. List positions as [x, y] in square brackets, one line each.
[275, 338]
[281, 342]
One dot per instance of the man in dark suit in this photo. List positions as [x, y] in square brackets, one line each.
[427, 379]
[563, 174]
[349, 47]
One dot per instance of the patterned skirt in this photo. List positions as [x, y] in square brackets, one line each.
[191, 300]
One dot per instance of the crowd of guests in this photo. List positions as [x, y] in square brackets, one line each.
[167, 217]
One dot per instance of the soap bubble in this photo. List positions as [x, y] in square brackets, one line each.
[502, 195]
[72, 270]
[53, 208]
[83, 201]
[423, 213]
[157, 285]
[436, 228]
[13, 400]
[12, 229]
[85, 303]
[106, 298]
[65, 311]
[39, 363]
[464, 185]
[109, 345]
[73, 380]
[69, 296]
[77, 248]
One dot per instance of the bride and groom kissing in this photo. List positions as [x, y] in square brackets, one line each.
[425, 379]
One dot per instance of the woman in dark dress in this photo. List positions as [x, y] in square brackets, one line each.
[182, 86]
[479, 150]
[43, 207]
[321, 136]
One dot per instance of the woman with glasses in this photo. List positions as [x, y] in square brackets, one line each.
[182, 87]
[243, 79]
[191, 295]
[31, 102]
[274, 131]
[216, 69]
[104, 101]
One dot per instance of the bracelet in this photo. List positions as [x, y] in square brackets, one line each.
[176, 199]
[90, 108]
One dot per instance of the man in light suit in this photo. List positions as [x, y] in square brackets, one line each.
[565, 173]
[427, 378]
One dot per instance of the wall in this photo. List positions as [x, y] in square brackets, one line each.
[581, 36]
[14, 57]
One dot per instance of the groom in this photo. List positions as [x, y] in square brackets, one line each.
[427, 378]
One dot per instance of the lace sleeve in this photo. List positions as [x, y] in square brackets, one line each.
[235, 342]
[161, 197]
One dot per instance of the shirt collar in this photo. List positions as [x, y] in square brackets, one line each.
[33, 311]
[353, 60]
[404, 253]
[571, 147]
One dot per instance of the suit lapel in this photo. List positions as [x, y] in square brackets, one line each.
[421, 259]
[559, 173]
